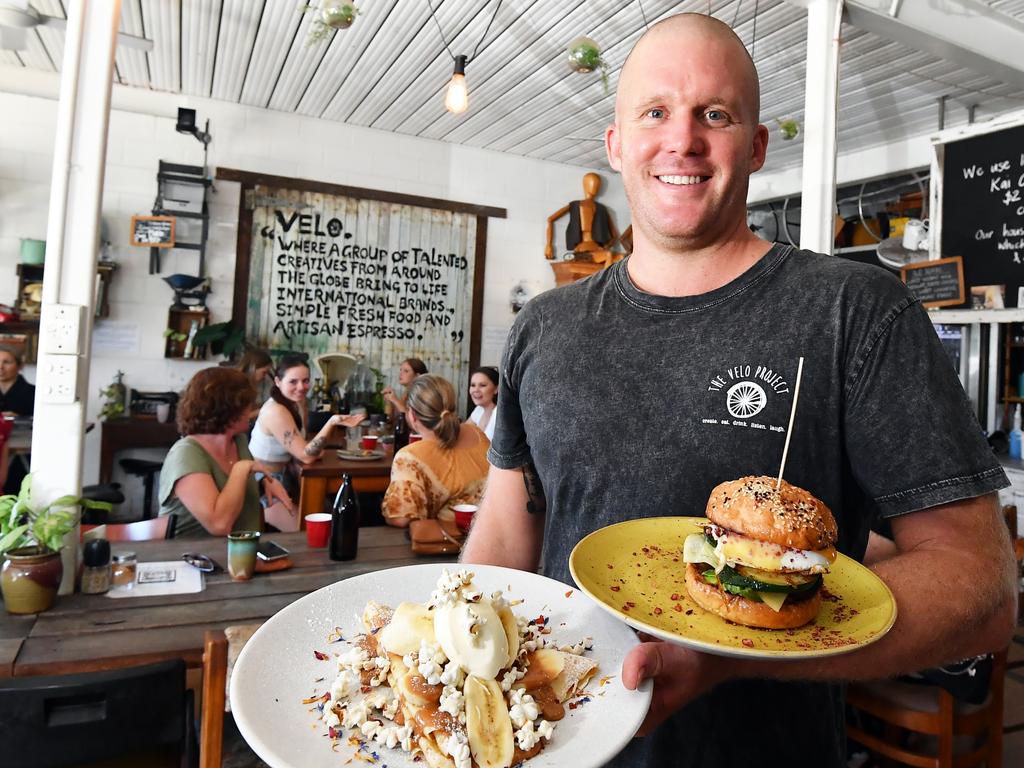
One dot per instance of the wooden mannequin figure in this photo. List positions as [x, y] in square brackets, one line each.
[591, 233]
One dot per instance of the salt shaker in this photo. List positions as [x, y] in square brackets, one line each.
[95, 567]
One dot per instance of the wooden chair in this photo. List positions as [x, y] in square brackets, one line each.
[143, 530]
[932, 711]
[215, 672]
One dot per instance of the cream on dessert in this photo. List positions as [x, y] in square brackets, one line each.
[459, 682]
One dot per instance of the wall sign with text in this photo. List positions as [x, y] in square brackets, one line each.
[334, 273]
[153, 231]
[983, 207]
[937, 283]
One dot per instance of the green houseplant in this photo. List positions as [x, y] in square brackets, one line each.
[31, 538]
[222, 338]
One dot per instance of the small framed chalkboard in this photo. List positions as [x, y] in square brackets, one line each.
[938, 283]
[153, 231]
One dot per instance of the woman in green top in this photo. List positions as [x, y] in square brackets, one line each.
[209, 477]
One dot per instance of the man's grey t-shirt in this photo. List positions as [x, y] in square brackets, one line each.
[633, 405]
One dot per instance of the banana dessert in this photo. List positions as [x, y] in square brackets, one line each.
[458, 682]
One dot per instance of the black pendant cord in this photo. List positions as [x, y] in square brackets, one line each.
[643, 15]
[497, 7]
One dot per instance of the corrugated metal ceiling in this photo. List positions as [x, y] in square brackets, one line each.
[390, 69]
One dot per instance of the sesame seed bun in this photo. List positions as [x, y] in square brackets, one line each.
[750, 613]
[789, 516]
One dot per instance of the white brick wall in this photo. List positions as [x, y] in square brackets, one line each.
[142, 132]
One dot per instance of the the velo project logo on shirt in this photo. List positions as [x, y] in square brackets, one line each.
[745, 395]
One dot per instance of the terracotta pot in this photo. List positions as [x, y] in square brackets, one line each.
[30, 578]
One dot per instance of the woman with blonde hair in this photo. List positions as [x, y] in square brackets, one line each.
[447, 467]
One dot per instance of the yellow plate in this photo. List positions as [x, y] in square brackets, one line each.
[635, 571]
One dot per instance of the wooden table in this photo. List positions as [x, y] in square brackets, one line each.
[323, 477]
[122, 434]
[84, 633]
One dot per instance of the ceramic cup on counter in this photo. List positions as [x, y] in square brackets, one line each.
[242, 554]
[163, 412]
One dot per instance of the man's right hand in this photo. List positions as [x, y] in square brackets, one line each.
[679, 674]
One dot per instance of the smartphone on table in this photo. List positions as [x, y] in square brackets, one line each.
[270, 550]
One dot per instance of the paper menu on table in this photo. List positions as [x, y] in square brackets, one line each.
[174, 577]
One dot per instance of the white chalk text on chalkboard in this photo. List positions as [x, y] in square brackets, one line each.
[938, 283]
[983, 207]
[153, 231]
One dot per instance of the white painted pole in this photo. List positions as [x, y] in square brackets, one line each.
[821, 102]
[72, 234]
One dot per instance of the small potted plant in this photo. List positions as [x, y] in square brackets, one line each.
[585, 56]
[30, 542]
[117, 396]
[334, 14]
[789, 128]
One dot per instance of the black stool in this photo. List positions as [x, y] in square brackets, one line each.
[144, 469]
[108, 492]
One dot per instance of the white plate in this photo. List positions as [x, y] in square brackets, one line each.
[277, 668]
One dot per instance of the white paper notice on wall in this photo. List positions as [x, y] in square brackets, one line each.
[493, 343]
[111, 338]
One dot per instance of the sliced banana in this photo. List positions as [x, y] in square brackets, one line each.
[488, 723]
[410, 624]
[473, 636]
[508, 621]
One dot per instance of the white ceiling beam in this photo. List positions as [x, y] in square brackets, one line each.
[966, 32]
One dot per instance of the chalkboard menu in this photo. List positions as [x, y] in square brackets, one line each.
[153, 231]
[936, 283]
[983, 208]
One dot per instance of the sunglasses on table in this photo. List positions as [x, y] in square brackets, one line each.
[201, 562]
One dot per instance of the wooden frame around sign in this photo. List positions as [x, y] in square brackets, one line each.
[168, 244]
[961, 295]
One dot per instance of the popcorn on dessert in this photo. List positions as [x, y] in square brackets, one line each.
[522, 708]
[510, 677]
[453, 702]
[458, 750]
[449, 587]
[453, 674]
[530, 733]
[586, 644]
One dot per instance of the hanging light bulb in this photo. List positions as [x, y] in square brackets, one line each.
[456, 100]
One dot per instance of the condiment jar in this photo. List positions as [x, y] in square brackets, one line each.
[95, 567]
[123, 570]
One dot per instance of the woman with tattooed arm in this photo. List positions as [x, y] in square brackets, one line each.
[279, 433]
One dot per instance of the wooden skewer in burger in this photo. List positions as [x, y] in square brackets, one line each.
[760, 560]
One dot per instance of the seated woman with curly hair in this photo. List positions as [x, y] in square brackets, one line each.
[447, 467]
[209, 477]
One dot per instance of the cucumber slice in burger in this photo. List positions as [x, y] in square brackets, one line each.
[776, 577]
[733, 580]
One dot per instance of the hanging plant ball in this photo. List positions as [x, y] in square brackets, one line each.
[338, 15]
[584, 55]
[788, 128]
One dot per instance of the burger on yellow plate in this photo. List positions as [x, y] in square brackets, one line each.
[760, 558]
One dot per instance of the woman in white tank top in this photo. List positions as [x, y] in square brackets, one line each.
[279, 433]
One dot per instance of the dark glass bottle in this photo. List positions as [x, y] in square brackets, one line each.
[401, 432]
[345, 522]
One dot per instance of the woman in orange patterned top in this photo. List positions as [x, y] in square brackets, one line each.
[447, 467]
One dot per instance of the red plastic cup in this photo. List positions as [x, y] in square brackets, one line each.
[464, 515]
[414, 438]
[318, 529]
[369, 442]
